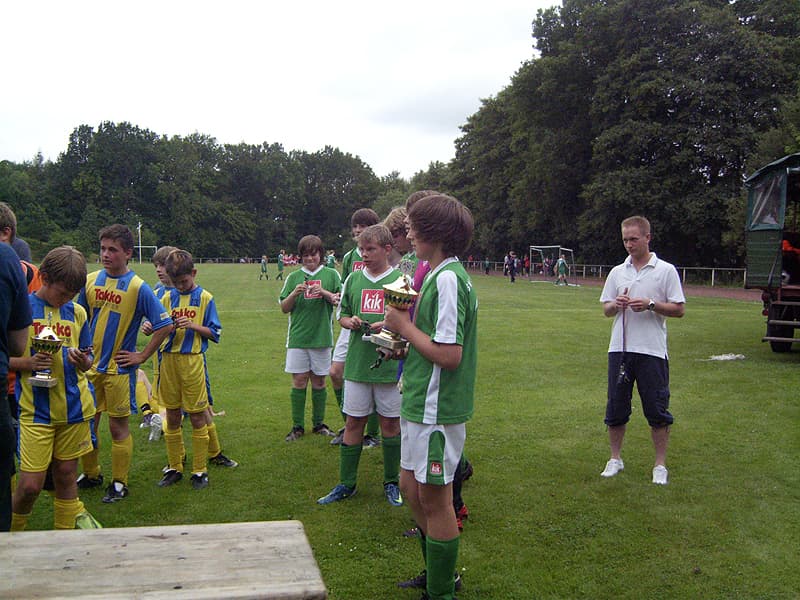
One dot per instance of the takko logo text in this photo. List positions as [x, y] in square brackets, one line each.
[189, 313]
[107, 296]
[62, 331]
[372, 301]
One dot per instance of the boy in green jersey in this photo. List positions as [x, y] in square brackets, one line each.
[351, 261]
[438, 382]
[368, 389]
[308, 296]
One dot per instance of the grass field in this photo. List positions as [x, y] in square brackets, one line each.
[543, 523]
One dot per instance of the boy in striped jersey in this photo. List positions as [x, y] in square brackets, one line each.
[54, 421]
[116, 300]
[182, 380]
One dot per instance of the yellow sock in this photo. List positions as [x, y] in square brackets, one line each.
[121, 453]
[175, 450]
[65, 511]
[199, 449]
[91, 463]
[213, 440]
[19, 522]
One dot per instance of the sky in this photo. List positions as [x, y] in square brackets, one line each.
[390, 83]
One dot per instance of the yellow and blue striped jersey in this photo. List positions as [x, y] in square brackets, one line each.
[116, 306]
[71, 400]
[200, 307]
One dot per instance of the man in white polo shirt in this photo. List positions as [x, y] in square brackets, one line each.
[640, 294]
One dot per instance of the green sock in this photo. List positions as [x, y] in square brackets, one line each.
[373, 426]
[441, 564]
[298, 397]
[391, 459]
[349, 457]
[318, 399]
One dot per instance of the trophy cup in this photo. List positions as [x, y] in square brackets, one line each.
[46, 342]
[400, 295]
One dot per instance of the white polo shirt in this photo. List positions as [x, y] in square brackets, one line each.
[646, 331]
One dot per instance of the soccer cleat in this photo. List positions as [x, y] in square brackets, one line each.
[199, 480]
[115, 492]
[613, 466]
[660, 475]
[167, 467]
[413, 532]
[223, 461]
[170, 476]
[421, 581]
[84, 520]
[340, 492]
[155, 428]
[371, 441]
[337, 441]
[145, 424]
[85, 482]
[323, 429]
[295, 434]
[392, 493]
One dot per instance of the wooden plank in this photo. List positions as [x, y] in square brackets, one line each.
[266, 559]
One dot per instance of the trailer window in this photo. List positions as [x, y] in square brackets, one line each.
[766, 203]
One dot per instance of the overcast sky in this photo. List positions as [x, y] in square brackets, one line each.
[388, 82]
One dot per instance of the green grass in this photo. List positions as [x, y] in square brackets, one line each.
[543, 523]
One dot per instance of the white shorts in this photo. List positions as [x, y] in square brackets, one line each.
[340, 350]
[431, 451]
[303, 360]
[362, 399]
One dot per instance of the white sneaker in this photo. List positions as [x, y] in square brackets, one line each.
[660, 475]
[613, 466]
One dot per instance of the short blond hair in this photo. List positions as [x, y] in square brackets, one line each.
[378, 234]
[65, 265]
[638, 221]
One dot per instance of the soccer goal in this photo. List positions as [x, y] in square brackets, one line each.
[544, 260]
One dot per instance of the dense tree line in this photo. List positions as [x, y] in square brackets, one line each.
[635, 106]
[629, 106]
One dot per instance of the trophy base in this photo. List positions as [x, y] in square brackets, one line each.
[387, 341]
[44, 382]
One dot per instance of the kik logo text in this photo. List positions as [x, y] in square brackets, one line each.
[372, 301]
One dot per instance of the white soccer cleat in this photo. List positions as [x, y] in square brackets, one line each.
[660, 475]
[613, 466]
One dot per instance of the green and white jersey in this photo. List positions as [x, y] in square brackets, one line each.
[351, 262]
[362, 296]
[311, 320]
[447, 311]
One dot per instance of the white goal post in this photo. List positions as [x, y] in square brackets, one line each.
[140, 248]
[543, 260]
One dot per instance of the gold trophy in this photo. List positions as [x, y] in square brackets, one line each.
[400, 295]
[46, 342]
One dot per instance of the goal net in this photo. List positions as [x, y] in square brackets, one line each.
[544, 261]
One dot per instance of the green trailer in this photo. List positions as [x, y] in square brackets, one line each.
[773, 247]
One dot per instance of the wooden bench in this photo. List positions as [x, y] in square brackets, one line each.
[268, 559]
